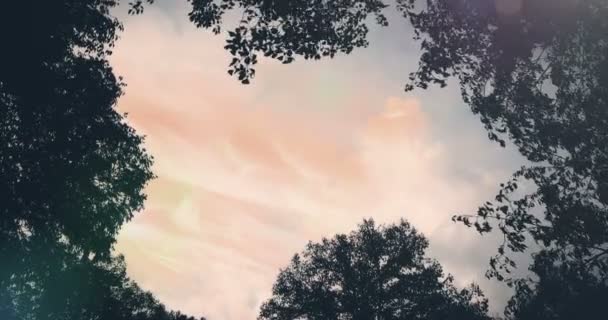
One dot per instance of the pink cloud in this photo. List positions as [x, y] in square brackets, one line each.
[257, 186]
[246, 179]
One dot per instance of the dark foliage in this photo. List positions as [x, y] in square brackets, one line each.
[72, 171]
[535, 71]
[372, 273]
[563, 291]
[70, 289]
[283, 30]
[537, 74]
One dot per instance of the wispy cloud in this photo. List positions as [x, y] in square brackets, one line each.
[249, 175]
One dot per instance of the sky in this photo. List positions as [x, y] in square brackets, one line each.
[247, 175]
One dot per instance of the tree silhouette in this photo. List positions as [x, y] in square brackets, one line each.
[562, 291]
[372, 273]
[282, 29]
[537, 74]
[77, 290]
[72, 170]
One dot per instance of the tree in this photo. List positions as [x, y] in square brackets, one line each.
[282, 29]
[537, 74]
[72, 169]
[534, 71]
[372, 273]
[563, 291]
[71, 289]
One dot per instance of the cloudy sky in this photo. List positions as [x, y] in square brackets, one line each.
[247, 175]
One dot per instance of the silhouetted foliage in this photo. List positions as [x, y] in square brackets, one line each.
[562, 292]
[283, 30]
[71, 289]
[537, 75]
[536, 72]
[72, 170]
[372, 273]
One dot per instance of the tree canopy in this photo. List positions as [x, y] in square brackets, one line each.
[67, 290]
[283, 30]
[371, 273]
[563, 291]
[73, 171]
[536, 72]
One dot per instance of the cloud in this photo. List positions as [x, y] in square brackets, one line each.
[249, 175]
